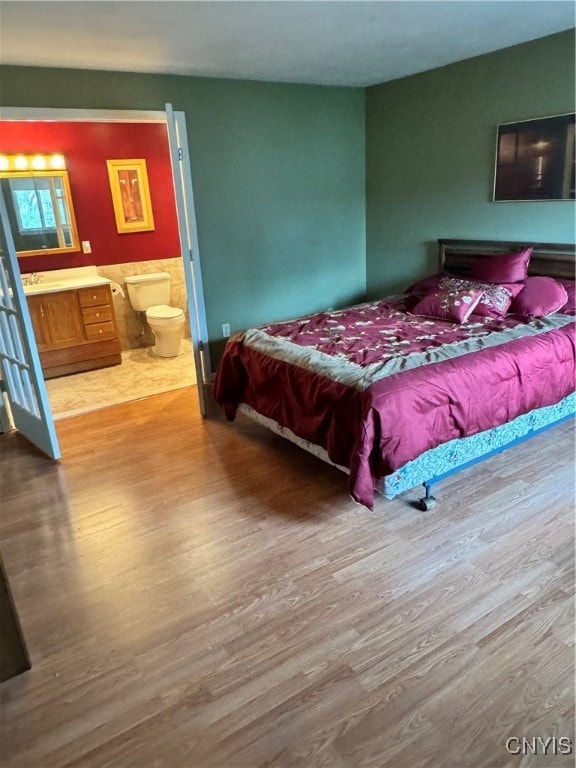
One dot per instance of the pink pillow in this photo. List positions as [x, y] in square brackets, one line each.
[570, 287]
[502, 268]
[424, 286]
[541, 296]
[450, 304]
[495, 300]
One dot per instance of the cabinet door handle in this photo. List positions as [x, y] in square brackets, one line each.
[41, 311]
[100, 331]
[94, 298]
[97, 314]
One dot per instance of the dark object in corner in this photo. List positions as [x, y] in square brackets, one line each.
[14, 657]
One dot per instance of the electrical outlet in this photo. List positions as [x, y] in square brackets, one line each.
[225, 330]
[86, 247]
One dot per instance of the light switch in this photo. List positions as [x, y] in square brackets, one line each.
[86, 247]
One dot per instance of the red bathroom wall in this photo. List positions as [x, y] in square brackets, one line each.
[86, 147]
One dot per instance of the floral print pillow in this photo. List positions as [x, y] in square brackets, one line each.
[495, 300]
[449, 303]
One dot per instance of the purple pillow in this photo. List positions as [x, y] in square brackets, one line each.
[570, 286]
[449, 303]
[541, 296]
[495, 300]
[502, 268]
[424, 286]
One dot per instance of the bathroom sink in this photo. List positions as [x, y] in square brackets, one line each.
[44, 287]
[65, 283]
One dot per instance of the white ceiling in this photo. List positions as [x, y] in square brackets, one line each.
[342, 42]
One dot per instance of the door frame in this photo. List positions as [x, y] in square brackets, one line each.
[204, 373]
[186, 209]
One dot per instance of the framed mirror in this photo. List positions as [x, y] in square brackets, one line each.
[39, 205]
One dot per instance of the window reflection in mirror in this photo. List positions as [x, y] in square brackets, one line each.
[39, 205]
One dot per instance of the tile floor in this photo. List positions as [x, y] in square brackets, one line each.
[140, 374]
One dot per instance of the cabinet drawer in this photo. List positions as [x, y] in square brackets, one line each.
[91, 297]
[96, 331]
[98, 314]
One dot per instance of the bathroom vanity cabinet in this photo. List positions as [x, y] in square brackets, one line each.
[75, 329]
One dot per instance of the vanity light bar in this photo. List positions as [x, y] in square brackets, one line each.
[31, 162]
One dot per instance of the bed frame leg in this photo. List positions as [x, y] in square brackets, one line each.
[428, 501]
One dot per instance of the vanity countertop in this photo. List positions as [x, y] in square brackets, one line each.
[63, 280]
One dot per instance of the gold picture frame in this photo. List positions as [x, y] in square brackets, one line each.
[130, 195]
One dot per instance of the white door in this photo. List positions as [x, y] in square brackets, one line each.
[19, 360]
[189, 244]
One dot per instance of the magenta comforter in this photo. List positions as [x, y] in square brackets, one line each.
[376, 386]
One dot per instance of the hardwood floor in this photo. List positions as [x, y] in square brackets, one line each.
[197, 594]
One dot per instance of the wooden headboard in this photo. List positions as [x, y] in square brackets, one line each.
[551, 259]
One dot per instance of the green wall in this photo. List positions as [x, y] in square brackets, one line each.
[279, 185]
[430, 146]
[288, 220]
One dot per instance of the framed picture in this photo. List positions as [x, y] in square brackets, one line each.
[535, 160]
[130, 195]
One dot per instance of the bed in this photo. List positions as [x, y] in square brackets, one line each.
[408, 389]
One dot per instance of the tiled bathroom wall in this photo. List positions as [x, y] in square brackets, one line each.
[132, 334]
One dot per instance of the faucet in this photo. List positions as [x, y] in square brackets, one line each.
[31, 279]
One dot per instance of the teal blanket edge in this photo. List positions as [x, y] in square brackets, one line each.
[450, 456]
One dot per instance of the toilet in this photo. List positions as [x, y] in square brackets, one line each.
[150, 293]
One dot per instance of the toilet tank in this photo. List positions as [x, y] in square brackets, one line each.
[149, 290]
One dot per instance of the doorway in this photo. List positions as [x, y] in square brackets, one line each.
[141, 373]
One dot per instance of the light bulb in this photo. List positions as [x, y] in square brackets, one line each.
[39, 163]
[57, 161]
